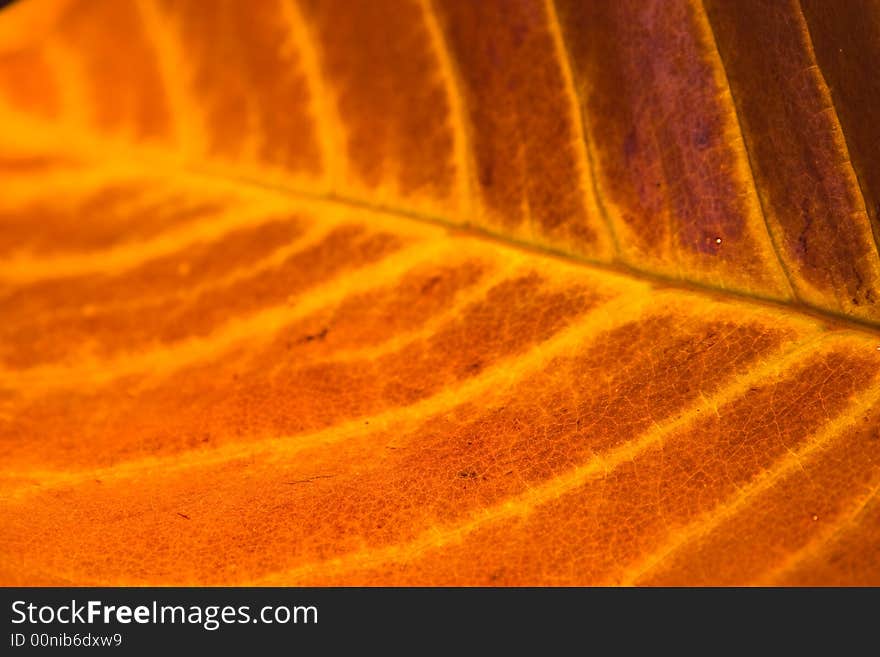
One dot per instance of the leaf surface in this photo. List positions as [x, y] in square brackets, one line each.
[439, 293]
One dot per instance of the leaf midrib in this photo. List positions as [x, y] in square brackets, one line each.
[146, 160]
[831, 319]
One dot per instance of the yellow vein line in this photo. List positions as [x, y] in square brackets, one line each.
[463, 299]
[260, 325]
[122, 257]
[703, 17]
[873, 232]
[827, 538]
[331, 132]
[598, 466]
[310, 237]
[181, 293]
[746, 495]
[503, 375]
[584, 163]
[466, 178]
[188, 126]
[75, 178]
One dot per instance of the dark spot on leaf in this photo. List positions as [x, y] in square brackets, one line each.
[308, 480]
[320, 335]
[430, 284]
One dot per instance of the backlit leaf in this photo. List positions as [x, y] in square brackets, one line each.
[439, 292]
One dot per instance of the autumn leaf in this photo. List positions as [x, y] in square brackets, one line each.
[439, 292]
